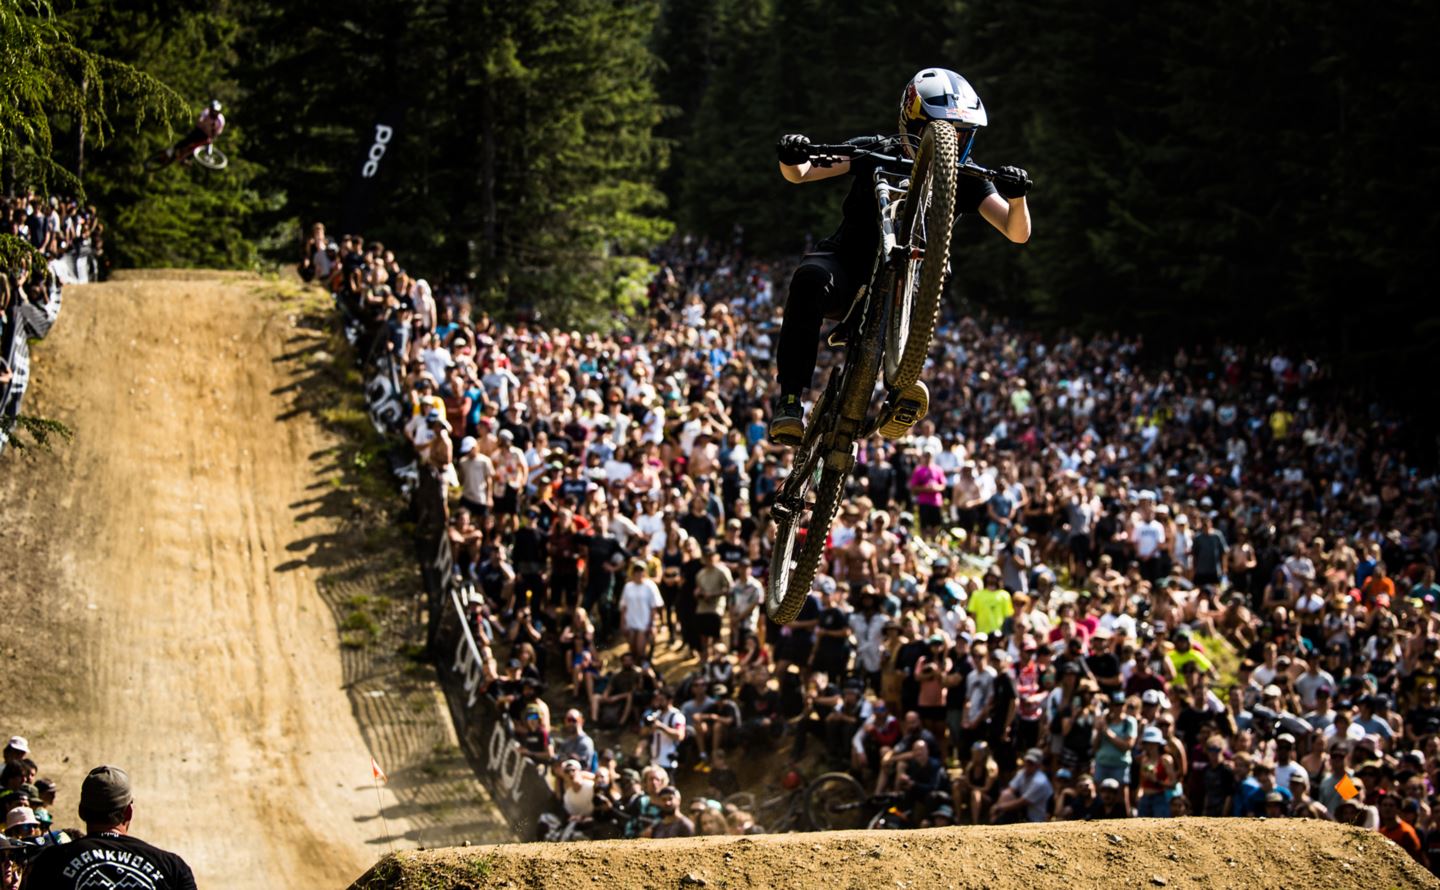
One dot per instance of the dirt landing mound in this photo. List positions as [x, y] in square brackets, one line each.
[1139, 853]
[159, 596]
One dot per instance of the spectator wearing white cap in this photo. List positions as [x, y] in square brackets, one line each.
[1298, 781]
[1182, 544]
[16, 749]
[477, 478]
[1110, 803]
[1285, 764]
[21, 824]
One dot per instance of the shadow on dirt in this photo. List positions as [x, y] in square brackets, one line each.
[353, 533]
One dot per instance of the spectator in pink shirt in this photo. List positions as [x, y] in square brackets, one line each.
[927, 484]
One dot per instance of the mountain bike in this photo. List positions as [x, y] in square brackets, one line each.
[202, 152]
[823, 804]
[886, 334]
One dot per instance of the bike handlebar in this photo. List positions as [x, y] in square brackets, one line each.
[822, 155]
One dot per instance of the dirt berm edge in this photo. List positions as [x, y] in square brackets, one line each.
[1141, 853]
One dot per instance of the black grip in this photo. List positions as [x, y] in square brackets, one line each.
[978, 171]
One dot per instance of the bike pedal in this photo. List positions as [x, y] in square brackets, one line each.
[907, 408]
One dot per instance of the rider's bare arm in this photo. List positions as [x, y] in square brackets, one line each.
[808, 172]
[1011, 217]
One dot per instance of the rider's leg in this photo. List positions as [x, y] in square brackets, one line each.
[817, 289]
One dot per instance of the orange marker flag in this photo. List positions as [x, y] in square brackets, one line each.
[1346, 788]
[380, 776]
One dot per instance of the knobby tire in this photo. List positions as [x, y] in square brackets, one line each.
[908, 338]
[214, 159]
[797, 585]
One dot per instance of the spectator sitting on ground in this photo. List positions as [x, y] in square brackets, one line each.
[716, 725]
[622, 697]
[1027, 797]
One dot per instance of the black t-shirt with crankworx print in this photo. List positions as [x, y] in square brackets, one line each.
[859, 233]
[105, 861]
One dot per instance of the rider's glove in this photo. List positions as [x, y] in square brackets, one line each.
[1012, 182]
[793, 149]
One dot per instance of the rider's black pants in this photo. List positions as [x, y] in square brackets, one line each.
[822, 287]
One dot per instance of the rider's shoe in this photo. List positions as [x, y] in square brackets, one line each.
[904, 410]
[787, 421]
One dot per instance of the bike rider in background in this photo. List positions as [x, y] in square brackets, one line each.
[207, 128]
[827, 280]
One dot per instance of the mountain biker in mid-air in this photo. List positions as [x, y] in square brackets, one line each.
[828, 279]
[207, 129]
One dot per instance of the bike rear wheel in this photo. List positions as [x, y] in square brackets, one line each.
[210, 157]
[778, 814]
[158, 160]
[925, 232]
[835, 801]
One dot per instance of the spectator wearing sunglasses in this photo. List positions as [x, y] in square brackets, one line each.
[574, 743]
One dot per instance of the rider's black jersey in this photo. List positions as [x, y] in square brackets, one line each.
[859, 233]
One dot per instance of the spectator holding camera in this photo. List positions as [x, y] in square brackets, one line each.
[663, 729]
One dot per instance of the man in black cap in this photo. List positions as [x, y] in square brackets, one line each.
[108, 856]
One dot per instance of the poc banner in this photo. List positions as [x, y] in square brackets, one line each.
[375, 158]
[516, 785]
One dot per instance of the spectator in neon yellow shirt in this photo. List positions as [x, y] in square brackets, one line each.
[1183, 654]
[990, 605]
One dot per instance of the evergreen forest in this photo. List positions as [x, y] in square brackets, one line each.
[1252, 169]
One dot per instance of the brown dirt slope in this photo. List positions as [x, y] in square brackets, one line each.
[170, 589]
[1137, 853]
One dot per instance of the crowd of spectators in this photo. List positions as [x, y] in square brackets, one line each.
[1094, 582]
[26, 801]
[69, 240]
[62, 229]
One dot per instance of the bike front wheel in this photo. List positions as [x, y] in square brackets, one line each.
[925, 233]
[792, 570]
[210, 157]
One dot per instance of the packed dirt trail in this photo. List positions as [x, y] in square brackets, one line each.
[155, 607]
[1121, 854]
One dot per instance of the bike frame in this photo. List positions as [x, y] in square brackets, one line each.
[832, 434]
[879, 313]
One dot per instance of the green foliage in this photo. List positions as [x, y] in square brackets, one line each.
[744, 71]
[1251, 170]
[525, 160]
[48, 75]
[25, 433]
[182, 216]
